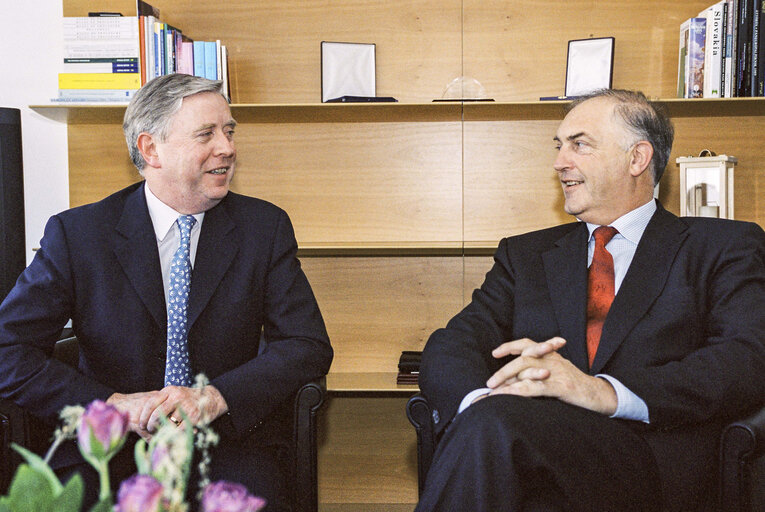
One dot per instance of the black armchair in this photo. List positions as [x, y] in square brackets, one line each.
[18, 427]
[742, 456]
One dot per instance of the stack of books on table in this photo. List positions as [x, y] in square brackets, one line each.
[409, 367]
[722, 51]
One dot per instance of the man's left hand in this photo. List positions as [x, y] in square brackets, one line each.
[538, 370]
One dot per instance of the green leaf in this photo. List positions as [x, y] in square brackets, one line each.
[36, 462]
[30, 491]
[70, 499]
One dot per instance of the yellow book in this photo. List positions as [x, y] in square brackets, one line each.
[99, 80]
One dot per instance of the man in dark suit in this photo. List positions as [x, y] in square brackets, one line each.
[566, 388]
[252, 324]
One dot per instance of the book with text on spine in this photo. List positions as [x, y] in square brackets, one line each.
[99, 80]
[696, 43]
[713, 54]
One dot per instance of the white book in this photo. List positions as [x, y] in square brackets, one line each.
[101, 37]
[218, 66]
[224, 71]
[713, 56]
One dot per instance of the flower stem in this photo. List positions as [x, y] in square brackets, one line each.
[103, 476]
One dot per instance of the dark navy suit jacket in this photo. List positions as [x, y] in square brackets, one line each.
[686, 331]
[99, 265]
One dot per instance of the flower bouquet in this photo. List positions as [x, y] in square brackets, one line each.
[159, 486]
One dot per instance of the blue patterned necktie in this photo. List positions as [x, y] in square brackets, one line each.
[177, 366]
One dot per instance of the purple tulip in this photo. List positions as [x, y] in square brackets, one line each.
[229, 497]
[140, 493]
[102, 430]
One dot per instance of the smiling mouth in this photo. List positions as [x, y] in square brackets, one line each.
[218, 172]
[571, 183]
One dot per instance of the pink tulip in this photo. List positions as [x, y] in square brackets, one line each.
[140, 493]
[102, 430]
[229, 497]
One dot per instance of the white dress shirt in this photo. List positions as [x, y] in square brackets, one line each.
[622, 247]
[168, 234]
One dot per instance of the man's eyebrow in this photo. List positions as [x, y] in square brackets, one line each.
[571, 137]
[231, 123]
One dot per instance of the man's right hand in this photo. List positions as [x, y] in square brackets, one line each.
[133, 404]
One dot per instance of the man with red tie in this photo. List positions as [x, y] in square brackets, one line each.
[597, 363]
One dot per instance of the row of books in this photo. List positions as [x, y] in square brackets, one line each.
[722, 51]
[108, 58]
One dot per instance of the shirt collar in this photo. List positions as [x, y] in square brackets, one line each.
[632, 224]
[162, 216]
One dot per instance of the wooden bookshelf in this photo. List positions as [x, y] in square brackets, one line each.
[398, 207]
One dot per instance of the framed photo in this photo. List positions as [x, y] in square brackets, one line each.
[706, 186]
[347, 69]
[589, 66]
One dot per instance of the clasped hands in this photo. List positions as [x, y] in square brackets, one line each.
[539, 370]
[146, 409]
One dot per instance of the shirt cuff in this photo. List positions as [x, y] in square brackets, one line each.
[629, 406]
[472, 396]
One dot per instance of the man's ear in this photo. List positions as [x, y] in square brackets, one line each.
[147, 146]
[640, 157]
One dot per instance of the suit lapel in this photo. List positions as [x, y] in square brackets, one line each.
[644, 281]
[218, 244]
[566, 278]
[135, 246]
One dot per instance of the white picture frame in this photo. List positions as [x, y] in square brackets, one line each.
[347, 69]
[589, 65]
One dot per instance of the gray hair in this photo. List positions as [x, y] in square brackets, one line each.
[644, 119]
[154, 105]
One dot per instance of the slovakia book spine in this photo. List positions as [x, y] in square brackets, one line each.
[713, 49]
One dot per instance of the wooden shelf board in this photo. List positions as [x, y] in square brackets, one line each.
[371, 382]
[90, 113]
[381, 249]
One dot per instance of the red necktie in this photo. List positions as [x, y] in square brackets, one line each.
[600, 288]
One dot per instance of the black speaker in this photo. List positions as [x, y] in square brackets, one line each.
[12, 241]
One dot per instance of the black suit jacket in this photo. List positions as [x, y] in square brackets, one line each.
[686, 331]
[99, 265]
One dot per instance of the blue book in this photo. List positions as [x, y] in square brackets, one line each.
[199, 58]
[211, 60]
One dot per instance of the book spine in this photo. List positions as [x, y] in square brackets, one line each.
[101, 67]
[724, 50]
[760, 91]
[199, 58]
[211, 61]
[157, 50]
[682, 61]
[142, 46]
[744, 50]
[713, 50]
[95, 94]
[99, 80]
[755, 74]
[696, 42]
[218, 60]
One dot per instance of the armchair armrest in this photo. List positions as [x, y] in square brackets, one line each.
[421, 417]
[742, 464]
[308, 401]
